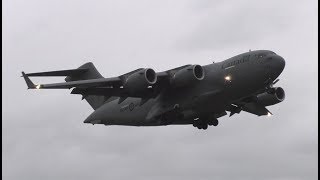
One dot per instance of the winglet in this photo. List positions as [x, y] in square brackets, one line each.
[269, 114]
[29, 82]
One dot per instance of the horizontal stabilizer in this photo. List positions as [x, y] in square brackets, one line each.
[70, 72]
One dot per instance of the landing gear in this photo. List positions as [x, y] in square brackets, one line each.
[203, 123]
[205, 126]
[213, 122]
[201, 126]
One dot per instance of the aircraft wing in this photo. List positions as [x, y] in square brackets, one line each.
[256, 108]
[101, 86]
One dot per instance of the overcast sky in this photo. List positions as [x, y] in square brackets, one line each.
[44, 136]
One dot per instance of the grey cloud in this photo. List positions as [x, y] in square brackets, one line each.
[219, 25]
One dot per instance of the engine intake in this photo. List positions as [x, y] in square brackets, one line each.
[187, 76]
[268, 99]
[140, 80]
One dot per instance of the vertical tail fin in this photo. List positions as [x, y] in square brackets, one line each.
[91, 73]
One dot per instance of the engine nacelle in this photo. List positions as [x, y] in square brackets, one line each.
[268, 99]
[140, 80]
[187, 76]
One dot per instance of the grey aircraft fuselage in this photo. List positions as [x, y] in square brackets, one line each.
[225, 82]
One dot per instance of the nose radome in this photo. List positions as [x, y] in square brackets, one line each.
[280, 63]
[276, 66]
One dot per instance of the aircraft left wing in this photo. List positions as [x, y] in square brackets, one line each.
[92, 82]
[142, 83]
[100, 86]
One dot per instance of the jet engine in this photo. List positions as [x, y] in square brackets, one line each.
[140, 80]
[187, 76]
[268, 99]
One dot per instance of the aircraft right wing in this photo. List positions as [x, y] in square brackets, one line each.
[250, 107]
[256, 108]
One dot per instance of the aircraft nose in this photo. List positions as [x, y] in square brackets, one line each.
[277, 64]
[280, 63]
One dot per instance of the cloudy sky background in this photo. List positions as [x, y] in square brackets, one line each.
[43, 132]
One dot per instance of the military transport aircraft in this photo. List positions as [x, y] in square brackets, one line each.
[190, 94]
